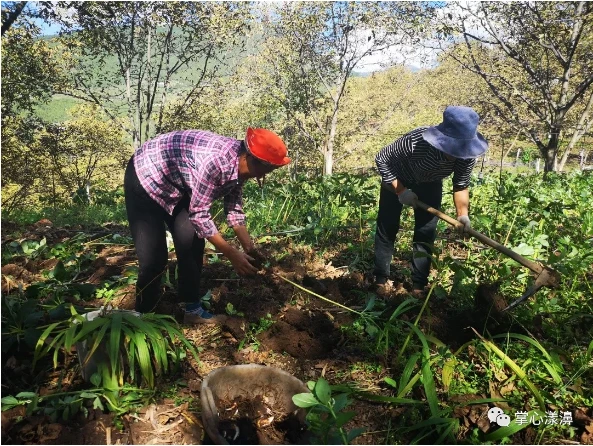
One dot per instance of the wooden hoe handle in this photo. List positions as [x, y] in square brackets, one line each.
[533, 266]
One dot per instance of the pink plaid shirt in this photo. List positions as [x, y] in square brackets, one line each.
[203, 165]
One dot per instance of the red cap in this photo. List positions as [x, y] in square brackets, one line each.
[266, 146]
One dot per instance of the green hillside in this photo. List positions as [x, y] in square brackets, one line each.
[57, 109]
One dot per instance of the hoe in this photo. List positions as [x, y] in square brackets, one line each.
[545, 276]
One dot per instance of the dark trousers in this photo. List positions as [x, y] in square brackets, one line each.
[425, 225]
[147, 223]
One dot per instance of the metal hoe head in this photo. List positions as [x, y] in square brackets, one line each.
[548, 277]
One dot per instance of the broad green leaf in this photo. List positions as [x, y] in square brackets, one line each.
[371, 330]
[97, 404]
[59, 272]
[304, 400]
[524, 249]
[32, 406]
[370, 304]
[447, 374]
[322, 391]
[85, 290]
[355, 433]
[8, 402]
[343, 417]
[391, 382]
[341, 401]
[96, 379]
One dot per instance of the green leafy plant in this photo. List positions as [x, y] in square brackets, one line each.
[60, 284]
[121, 345]
[20, 320]
[206, 300]
[29, 248]
[326, 416]
[262, 325]
[64, 405]
[232, 311]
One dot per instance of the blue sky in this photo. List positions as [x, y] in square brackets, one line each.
[47, 30]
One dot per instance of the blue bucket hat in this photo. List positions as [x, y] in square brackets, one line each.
[457, 135]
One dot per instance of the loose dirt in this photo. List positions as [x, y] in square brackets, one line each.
[270, 322]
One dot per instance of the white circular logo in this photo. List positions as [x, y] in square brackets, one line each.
[493, 413]
[503, 420]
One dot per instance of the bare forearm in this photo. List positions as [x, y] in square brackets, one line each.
[244, 237]
[221, 244]
[395, 186]
[461, 200]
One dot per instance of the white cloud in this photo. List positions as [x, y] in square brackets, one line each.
[424, 54]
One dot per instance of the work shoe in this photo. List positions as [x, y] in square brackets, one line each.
[418, 292]
[201, 316]
[379, 280]
[382, 286]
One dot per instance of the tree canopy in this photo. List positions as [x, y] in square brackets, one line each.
[537, 60]
[338, 80]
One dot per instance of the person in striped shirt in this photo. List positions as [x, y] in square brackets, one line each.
[412, 168]
[172, 180]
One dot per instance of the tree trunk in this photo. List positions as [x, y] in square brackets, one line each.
[551, 150]
[149, 82]
[328, 154]
[581, 129]
[549, 153]
[135, 141]
[328, 160]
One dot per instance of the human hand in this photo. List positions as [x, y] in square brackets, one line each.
[242, 262]
[258, 258]
[408, 198]
[464, 219]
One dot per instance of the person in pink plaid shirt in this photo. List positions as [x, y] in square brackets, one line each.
[171, 181]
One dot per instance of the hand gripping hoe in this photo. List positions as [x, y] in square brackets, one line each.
[545, 276]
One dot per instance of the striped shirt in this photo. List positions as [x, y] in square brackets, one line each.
[413, 160]
[201, 164]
